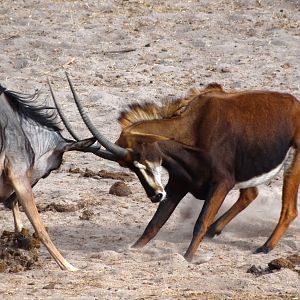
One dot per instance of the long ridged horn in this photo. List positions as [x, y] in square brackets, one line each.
[103, 154]
[115, 149]
[94, 149]
[62, 116]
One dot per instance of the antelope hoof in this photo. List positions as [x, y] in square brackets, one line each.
[263, 249]
[68, 267]
[188, 257]
[72, 268]
[138, 245]
[212, 232]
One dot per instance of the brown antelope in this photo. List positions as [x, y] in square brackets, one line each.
[210, 142]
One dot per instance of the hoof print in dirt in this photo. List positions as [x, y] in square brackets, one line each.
[120, 189]
[124, 176]
[18, 251]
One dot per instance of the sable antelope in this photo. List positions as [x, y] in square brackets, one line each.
[210, 142]
[31, 146]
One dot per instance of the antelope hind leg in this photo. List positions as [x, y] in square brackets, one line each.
[289, 205]
[245, 198]
[17, 216]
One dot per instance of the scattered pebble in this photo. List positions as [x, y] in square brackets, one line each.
[87, 214]
[120, 189]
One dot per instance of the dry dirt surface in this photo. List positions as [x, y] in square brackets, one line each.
[118, 52]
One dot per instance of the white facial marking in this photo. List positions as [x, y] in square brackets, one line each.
[157, 174]
[265, 178]
[163, 196]
[139, 165]
[157, 177]
[153, 176]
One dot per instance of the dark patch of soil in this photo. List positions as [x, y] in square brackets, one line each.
[56, 207]
[295, 259]
[291, 262]
[279, 263]
[103, 174]
[18, 251]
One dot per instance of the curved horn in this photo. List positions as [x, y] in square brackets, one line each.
[115, 149]
[104, 154]
[62, 116]
[94, 149]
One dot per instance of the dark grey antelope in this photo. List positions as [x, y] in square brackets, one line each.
[211, 142]
[31, 146]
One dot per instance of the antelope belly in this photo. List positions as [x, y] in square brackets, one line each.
[266, 177]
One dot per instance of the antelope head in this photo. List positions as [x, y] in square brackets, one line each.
[145, 160]
[136, 151]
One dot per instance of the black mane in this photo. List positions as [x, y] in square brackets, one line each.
[26, 106]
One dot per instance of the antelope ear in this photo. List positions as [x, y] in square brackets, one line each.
[148, 138]
[80, 145]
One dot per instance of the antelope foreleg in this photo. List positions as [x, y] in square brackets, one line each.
[162, 214]
[206, 217]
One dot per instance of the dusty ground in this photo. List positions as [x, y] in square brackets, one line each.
[169, 46]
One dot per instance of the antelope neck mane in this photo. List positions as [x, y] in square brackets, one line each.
[26, 106]
[147, 111]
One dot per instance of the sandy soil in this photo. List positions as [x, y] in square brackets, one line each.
[118, 52]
